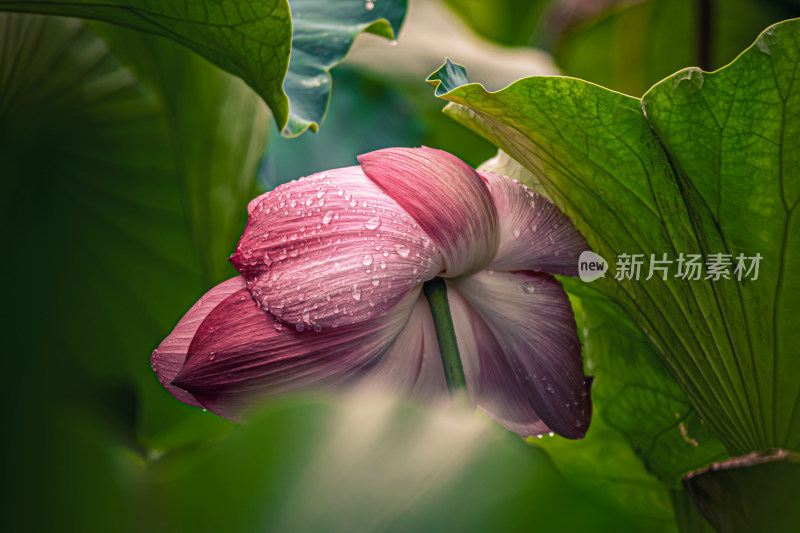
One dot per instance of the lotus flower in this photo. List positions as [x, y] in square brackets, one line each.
[330, 293]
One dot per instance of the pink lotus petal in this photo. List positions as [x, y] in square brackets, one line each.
[241, 354]
[332, 249]
[168, 358]
[491, 382]
[534, 234]
[533, 327]
[446, 197]
[414, 364]
[252, 204]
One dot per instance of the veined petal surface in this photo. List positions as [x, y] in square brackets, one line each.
[448, 199]
[167, 360]
[414, 365]
[534, 234]
[532, 323]
[240, 354]
[491, 381]
[332, 249]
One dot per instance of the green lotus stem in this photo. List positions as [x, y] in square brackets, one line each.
[436, 292]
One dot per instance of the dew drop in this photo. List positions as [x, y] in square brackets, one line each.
[515, 232]
[356, 292]
[372, 223]
[402, 250]
[369, 6]
[366, 260]
[490, 272]
[376, 280]
[327, 218]
[528, 288]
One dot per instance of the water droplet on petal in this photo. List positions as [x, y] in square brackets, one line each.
[370, 5]
[402, 250]
[528, 288]
[356, 292]
[366, 260]
[515, 232]
[490, 272]
[300, 326]
[327, 218]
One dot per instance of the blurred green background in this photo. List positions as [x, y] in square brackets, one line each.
[127, 163]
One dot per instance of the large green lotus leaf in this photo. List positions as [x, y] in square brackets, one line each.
[214, 148]
[635, 394]
[605, 464]
[596, 154]
[756, 492]
[732, 137]
[104, 215]
[253, 40]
